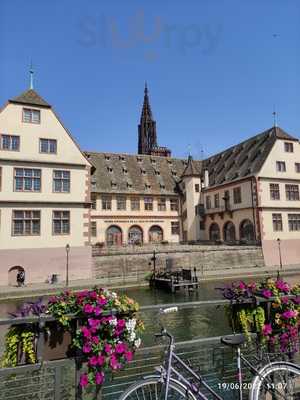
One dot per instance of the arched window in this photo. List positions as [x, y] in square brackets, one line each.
[12, 274]
[247, 230]
[214, 232]
[135, 235]
[156, 234]
[229, 232]
[114, 236]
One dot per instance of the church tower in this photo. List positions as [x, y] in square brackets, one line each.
[147, 141]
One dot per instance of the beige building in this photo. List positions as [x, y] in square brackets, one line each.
[253, 194]
[135, 199]
[248, 193]
[44, 194]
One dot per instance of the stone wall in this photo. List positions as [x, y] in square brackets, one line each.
[133, 264]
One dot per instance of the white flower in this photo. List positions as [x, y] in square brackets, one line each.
[113, 322]
[132, 336]
[130, 324]
[137, 343]
[114, 295]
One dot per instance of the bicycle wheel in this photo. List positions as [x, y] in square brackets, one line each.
[277, 381]
[153, 388]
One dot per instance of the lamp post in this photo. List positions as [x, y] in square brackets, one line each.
[280, 259]
[67, 264]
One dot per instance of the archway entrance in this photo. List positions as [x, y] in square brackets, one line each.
[229, 232]
[214, 232]
[12, 274]
[247, 230]
[114, 236]
[135, 235]
[156, 234]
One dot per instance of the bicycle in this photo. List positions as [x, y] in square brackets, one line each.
[279, 380]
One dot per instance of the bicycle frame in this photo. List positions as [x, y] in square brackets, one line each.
[169, 373]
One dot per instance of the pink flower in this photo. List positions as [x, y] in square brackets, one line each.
[290, 314]
[101, 360]
[94, 323]
[284, 300]
[267, 293]
[128, 355]
[98, 310]
[107, 348]
[242, 285]
[93, 361]
[283, 286]
[102, 301]
[93, 295]
[121, 323]
[95, 339]
[267, 329]
[86, 332]
[114, 362]
[86, 348]
[99, 378]
[88, 308]
[84, 380]
[121, 348]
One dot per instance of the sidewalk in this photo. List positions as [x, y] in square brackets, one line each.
[45, 289]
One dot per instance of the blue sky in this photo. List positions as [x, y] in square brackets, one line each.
[214, 67]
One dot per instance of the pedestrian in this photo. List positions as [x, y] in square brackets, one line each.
[21, 278]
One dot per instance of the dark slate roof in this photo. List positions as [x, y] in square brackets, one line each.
[30, 97]
[143, 174]
[192, 168]
[244, 159]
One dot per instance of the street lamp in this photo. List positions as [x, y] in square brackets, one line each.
[280, 259]
[67, 264]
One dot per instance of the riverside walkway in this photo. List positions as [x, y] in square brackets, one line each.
[44, 289]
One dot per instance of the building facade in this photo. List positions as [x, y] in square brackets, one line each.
[248, 193]
[44, 194]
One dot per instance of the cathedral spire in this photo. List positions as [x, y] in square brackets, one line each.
[147, 140]
[147, 127]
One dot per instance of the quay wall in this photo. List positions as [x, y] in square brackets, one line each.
[134, 264]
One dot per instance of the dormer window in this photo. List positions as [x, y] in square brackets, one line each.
[169, 162]
[153, 161]
[31, 116]
[129, 185]
[48, 146]
[139, 159]
[143, 172]
[107, 158]
[162, 186]
[121, 158]
[125, 171]
[110, 170]
[157, 172]
[113, 185]
[288, 147]
[147, 186]
[174, 173]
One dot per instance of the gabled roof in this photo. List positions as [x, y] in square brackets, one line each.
[244, 159]
[30, 97]
[191, 169]
[140, 174]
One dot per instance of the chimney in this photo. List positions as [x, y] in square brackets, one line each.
[206, 178]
